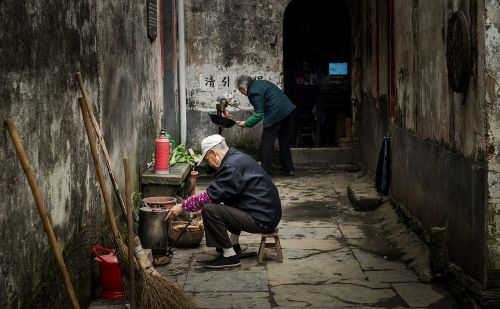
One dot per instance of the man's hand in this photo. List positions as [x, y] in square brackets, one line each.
[174, 212]
[241, 123]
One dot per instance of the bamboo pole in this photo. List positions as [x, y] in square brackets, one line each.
[131, 245]
[11, 127]
[104, 149]
[143, 261]
[100, 175]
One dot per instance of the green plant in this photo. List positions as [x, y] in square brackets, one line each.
[181, 155]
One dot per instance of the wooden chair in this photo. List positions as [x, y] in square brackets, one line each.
[270, 247]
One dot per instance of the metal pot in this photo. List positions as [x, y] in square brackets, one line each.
[153, 229]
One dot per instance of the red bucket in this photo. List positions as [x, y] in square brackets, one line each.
[110, 274]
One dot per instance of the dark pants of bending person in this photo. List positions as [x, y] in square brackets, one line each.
[281, 130]
[218, 219]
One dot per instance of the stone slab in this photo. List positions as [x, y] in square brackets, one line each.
[352, 231]
[400, 275]
[302, 224]
[329, 295]
[175, 176]
[295, 254]
[367, 283]
[233, 300]
[311, 244]
[417, 294]
[229, 280]
[369, 261]
[321, 268]
[309, 233]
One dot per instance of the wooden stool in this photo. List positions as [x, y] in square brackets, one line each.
[269, 247]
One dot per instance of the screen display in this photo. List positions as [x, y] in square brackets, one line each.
[337, 68]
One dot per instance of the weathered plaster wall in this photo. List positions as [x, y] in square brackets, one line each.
[492, 101]
[437, 140]
[130, 79]
[372, 116]
[43, 44]
[426, 104]
[225, 39]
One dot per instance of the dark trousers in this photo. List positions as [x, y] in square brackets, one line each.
[281, 130]
[220, 218]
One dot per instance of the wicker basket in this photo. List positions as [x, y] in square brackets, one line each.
[191, 238]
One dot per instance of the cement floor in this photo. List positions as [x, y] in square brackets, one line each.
[334, 257]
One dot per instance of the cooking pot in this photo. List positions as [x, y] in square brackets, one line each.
[222, 121]
[153, 229]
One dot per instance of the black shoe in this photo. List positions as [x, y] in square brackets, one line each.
[222, 262]
[236, 248]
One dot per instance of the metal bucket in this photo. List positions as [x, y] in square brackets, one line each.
[153, 229]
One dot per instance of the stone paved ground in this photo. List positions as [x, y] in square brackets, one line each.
[334, 257]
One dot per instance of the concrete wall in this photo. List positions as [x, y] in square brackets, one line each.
[438, 166]
[43, 44]
[492, 101]
[225, 39]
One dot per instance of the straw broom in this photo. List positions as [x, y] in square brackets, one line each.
[155, 290]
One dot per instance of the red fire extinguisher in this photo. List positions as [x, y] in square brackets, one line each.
[163, 150]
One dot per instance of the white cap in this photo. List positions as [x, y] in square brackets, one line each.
[207, 143]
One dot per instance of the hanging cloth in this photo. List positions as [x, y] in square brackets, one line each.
[382, 178]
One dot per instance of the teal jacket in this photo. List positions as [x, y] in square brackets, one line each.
[268, 102]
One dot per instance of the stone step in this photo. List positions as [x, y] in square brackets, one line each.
[364, 197]
[352, 168]
[322, 155]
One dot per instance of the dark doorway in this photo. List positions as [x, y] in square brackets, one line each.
[317, 71]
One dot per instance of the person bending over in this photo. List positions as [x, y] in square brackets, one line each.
[272, 105]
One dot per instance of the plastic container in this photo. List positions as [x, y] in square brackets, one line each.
[110, 275]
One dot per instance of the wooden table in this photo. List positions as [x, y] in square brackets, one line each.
[176, 183]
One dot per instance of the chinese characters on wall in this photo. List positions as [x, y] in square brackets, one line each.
[222, 82]
[208, 87]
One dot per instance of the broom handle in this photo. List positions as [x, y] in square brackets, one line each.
[98, 168]
[11, 127]
[104, 149]
[131, 245]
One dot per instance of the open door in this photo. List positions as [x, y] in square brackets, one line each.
[317, 72]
